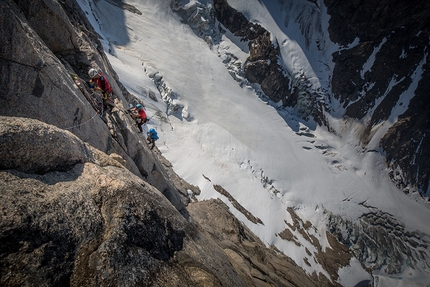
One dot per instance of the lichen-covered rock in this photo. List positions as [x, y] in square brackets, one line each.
[86, 220]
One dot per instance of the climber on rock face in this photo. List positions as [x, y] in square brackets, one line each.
[152, 137]
[99, 82]
[139, 114]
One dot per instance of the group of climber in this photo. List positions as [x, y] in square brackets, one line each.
[99, 82]
[139, 115]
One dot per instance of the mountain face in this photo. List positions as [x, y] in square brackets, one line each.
[85, 201]
[379, 74]
[380, 78]
[384, 79]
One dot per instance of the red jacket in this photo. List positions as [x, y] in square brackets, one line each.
[142, 113]
[103, 83]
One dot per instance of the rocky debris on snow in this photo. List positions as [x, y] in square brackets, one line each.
[199, 17]
[237, 205]
[332, 258]
[381, 64]
[262, 70]
[262, 66]
[286, 234]
[381, 242]
[368, 93]
[257, 264]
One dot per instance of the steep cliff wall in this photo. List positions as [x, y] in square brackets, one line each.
[36, 83]
[77, 217]
[383, 79]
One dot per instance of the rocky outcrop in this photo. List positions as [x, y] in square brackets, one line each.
[85, 202]
[385, 76]
[381, 242]
[78, 217]
[24, 144]
[261, 70]
[262, 66]
[257, 264]
[379, 74]
[37, 84]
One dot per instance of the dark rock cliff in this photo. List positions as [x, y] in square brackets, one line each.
[262, 66]
[399, 31]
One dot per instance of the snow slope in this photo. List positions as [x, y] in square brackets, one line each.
[267, 159]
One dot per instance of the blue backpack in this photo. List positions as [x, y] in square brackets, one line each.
[153, 134]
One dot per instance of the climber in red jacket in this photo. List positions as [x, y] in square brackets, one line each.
[139, 114]
[100, 79]
[99, 82]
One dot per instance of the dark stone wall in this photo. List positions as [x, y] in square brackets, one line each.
[401, 31]
[262, 65]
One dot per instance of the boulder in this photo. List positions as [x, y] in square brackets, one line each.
[71, 215]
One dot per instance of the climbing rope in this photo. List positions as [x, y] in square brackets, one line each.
[81, 124]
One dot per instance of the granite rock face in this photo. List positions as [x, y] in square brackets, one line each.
[89, 221]
[37, 84]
